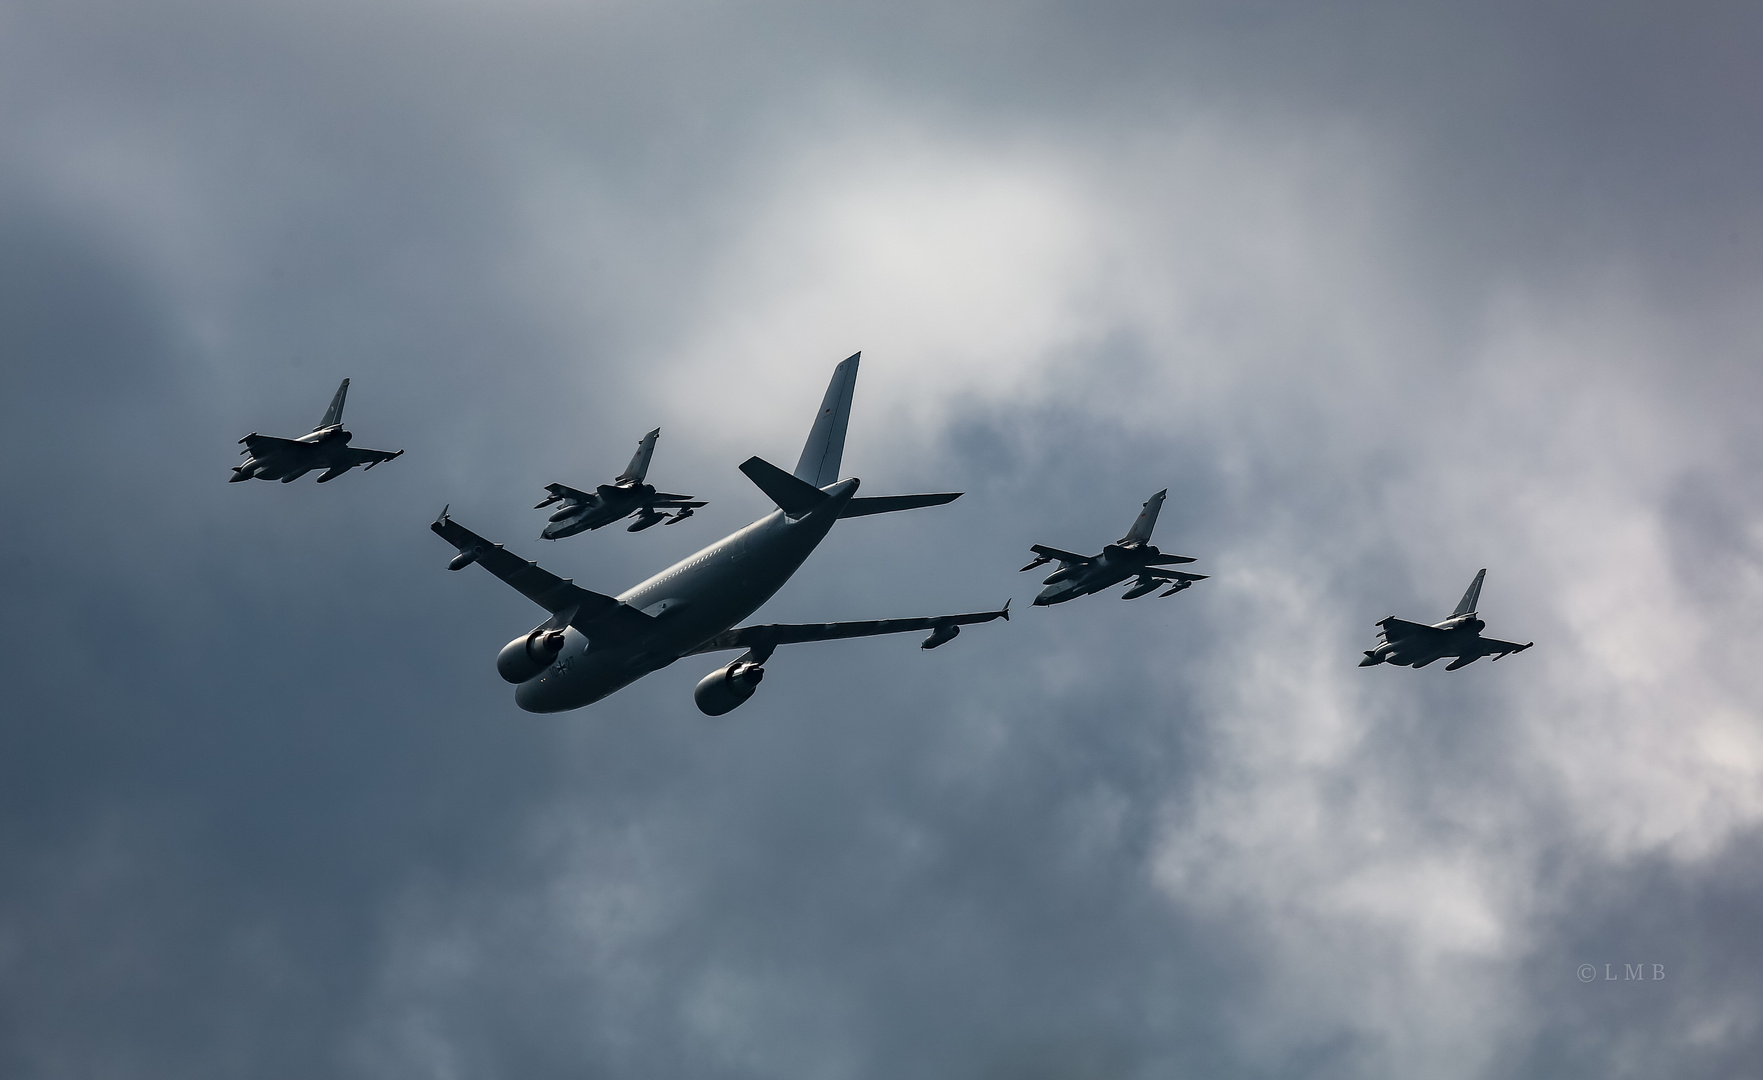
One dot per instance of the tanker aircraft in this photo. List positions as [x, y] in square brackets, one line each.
[625, 496]
[594, 644]
[1407, 644]
[290, 459]
[1133, 557]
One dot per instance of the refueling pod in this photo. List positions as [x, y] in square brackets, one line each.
[726, 688]
[942, 635]
[529, 654]
[465, 558]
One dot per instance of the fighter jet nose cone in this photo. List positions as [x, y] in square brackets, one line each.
[1041, 601]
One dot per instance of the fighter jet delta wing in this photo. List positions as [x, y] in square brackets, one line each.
[568, 603]
[268, 444]
[1496, 648]
[358, 455]
[1395, 629]
[761, 640]
[361, 455]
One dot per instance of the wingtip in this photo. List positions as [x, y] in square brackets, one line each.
[1005, 611]
[441, 519]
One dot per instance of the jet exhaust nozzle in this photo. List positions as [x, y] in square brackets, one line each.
[727, 688]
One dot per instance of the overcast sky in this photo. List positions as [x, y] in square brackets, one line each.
[1382, 294]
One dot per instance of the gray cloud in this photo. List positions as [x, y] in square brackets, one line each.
[1381, 295]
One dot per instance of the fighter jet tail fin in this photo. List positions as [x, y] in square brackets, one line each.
[1141, 529]
[1471, 597]
[334, 414]
[825, 449]
[793, 496]
[639, 466]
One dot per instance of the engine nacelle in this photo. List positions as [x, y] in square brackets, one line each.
[725, 689]
[942, 635]
[529, 654]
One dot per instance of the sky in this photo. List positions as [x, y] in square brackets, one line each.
[1382, 293]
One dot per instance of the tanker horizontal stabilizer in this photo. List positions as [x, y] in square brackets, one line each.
[793, 496]
[887, 504]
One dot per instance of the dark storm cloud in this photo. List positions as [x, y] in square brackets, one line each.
[1381, 295]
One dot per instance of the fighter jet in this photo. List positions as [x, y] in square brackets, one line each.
[1407, 644]
[290, 459]
[625, 496]
[594, 644]
[1133, 557]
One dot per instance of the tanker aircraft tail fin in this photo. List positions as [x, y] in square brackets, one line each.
[825, 449]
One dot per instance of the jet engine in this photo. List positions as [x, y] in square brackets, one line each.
[528, 655]
[727, 688]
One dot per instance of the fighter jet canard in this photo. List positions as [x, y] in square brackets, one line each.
[626, 496]
[1134, 557]
[594, 644]
[1407, 644]
[327, 445]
